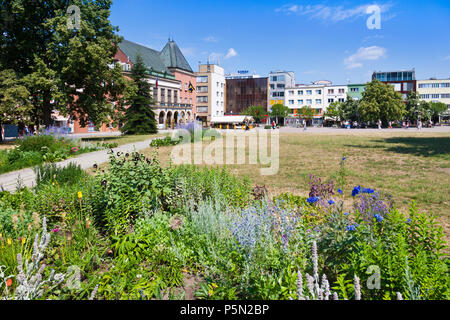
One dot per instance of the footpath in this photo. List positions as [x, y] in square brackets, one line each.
[27, 177]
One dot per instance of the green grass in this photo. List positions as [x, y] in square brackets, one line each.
[410, 166]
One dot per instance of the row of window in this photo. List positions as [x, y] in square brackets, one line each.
[279, 86]
[310, 92]
[308, 101]
[435, 96]
[277, 79]
[434, 85]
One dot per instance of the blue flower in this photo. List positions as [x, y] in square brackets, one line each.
[368, 190]
[346, 213]
[344, 158]
[351, 228]
[356, 191]
[408, 220]
[312, 200]
[379, 217]
[340, 191]
[331, 202]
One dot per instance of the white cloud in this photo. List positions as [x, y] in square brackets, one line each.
[331, 14]
[231, 53]
[364, 54]
[211, 39]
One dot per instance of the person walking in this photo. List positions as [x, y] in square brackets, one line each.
[379, 124]
[304, 126]
[274, 126]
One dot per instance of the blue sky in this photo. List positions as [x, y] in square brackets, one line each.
[316, 39]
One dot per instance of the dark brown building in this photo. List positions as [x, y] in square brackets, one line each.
[246, 92]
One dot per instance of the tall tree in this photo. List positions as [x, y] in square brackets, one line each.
[381, 102]
[279, 111]
[348, 110]
[139, 116]
[306, 113]
[15, 105]
[258, 113]
[437, 109]
[66, 67]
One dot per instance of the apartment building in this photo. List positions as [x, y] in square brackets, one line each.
[278, 82]
[307, 95]
[435, 90]
[334, 93]
[355, 91]
[404, 81]
[210, 92]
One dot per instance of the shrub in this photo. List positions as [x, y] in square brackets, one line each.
[50, 173]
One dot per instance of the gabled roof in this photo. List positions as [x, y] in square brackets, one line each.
[173, 58]
[152, 58]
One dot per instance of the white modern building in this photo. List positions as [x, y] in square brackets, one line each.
[278, 82]
[435, 90]
[334, 93]
[210, 92]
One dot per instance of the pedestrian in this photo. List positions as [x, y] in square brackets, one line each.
[379, 124]
[304, 126]
[274, 125]
[390, 124]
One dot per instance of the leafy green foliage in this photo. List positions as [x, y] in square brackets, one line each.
[258, 113]
[50, 173]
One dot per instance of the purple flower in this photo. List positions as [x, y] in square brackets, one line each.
[56, 230]
[331, 202]
[346, 213]
[368, 190]
[351, 228]
[408, 220]
[340, 191]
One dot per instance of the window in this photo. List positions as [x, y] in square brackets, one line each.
[318, 101]
[202, 109]
[185, 87]
[341, 90]
[341, 100]
[202, 89]
[300, 101]
[291, 101]
[318, 91]
[291, 93]
[300, 92]
[435, 96]
[280, 86]
[309, 102]
[330, 100]
[274, 78]
[202, 79]
[278, 94]
[308, 92]
[272, 86]
[445, 96]
[218, 84]
[354, 89]
[424, 96]
[202, 99]
[445, 85]
[330, 91]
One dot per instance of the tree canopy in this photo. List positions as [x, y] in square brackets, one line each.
[65, 69]
[257, 112]
[381, 102]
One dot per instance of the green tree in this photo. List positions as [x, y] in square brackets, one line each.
[279, 111]
[437, 109]
[306, 113]
[381, 102]
[70, 70]
[15, 105]
[139, 116]
[258, 113]
[334, 111]
[349, 110]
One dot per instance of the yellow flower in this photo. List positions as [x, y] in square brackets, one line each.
[9, 241]
[214, 285]
[80, 195]
[24, 240]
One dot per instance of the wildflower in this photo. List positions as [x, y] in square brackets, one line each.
[408, 220]
[331, 202]
[24, 240]
[55, 230]
[346, 213]
[9, 283]
[368, 190]
[351, 228]
[88, 223]
[74, 149]
[15, 218]
[340, 191]
[9, 241]
[95, 166]
[379, 217]
[80, 195]
[312, 200]
[344, 158]
[356, 191]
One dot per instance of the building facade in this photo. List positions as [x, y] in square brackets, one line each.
[435, 90]
[403, 81]
[244, 90]
[355, 91]
[278, 82]
[334, 93]
[210, 92]
[307, 95]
